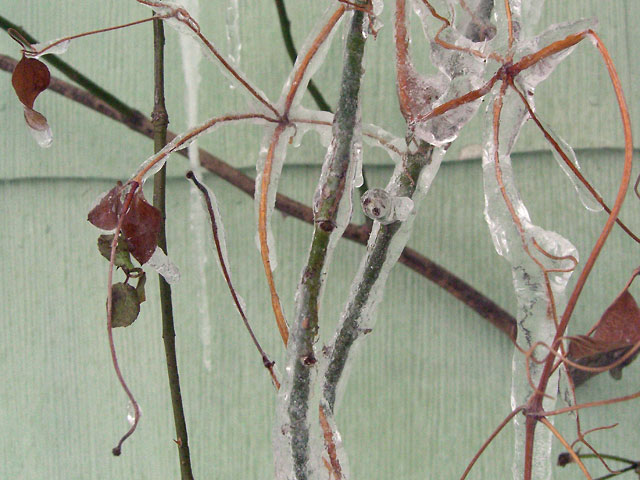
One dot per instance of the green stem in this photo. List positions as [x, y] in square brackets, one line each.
[327, 200]
[160, 120]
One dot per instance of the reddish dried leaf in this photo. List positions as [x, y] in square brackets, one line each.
[618, 330]
[29, 78]
[621, 321]
[140, 227]
[105, 214]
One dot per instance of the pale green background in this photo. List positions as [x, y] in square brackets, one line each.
[433, 378]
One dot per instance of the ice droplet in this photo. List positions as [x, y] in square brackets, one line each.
[164, 266]
[38, 127]
[131, 413]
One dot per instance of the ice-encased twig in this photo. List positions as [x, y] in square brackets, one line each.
[412, 178]
[297, 443]
[541, 261]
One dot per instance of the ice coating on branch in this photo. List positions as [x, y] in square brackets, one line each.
[55, 47]
[274, 149]
[232, 17]
[589, 202]
[527, 14]
[131, 413]
[460, 72]
[533, 253]
[155, 162]
[311, 121]
[282, 438]
[376, 136]
[178, 17]
[378, 205]
[358, 316]
[542, 69]
[164, 266]
[308, 47]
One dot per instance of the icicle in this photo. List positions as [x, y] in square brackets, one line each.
[198, 224]
[232, 17]
[311, 120]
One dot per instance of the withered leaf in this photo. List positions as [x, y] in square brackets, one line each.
[617, 332]
[125, 305]
[29, 79]
[105, 214]
[141, 226]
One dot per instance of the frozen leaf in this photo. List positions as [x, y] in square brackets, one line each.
[141, 225]
[38, 127]
[126, 305]
[29, 79]
[618, 330]
[122, 259]
[105, 214]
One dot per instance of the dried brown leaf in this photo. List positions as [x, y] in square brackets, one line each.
[140, 227]
[105, 214]
[29, 79]
[617, 331]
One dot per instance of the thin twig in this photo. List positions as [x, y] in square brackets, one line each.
[160, 119]
[268, 363]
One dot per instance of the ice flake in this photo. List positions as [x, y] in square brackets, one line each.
[164, 266]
